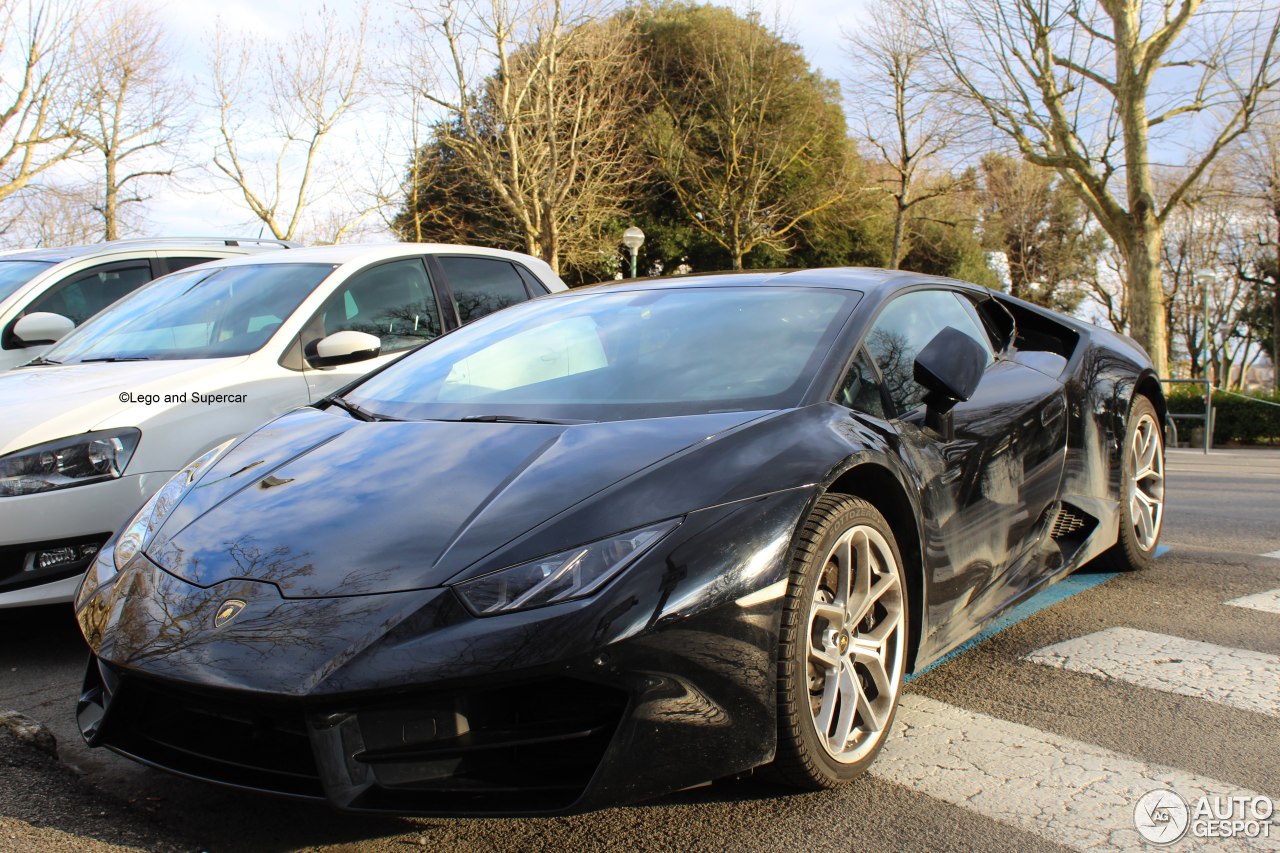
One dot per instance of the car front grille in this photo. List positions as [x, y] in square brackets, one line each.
[531, 747]
[215, 735]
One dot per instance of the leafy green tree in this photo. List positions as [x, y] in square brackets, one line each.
[748, 140]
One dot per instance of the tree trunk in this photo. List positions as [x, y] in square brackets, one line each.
[899, 226]
[1146, 290]
[111, 227]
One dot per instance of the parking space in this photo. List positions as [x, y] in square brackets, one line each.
[1042, 737]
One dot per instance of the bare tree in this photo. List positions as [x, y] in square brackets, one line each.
[750, 140]
[38, 105]
[53, 215]
[277, 107]
[1082, 85]
[900, 117]
[131, 105]
[537, 95]
[1105, 289]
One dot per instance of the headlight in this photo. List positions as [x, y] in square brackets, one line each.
[73, 461]
[571, 574]
[153, 513]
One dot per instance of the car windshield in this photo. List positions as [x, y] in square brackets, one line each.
[14, 274]
[617, 355]
[202, 313]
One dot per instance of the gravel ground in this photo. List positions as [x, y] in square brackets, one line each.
[44, 805]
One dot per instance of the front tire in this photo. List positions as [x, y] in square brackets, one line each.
[1142, 496]
[842, 646]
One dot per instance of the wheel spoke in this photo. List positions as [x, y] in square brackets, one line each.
[830, 694]
[833, 614]
[872, 717]
[883, 584]
[844, 570]
[861, 598]
[875, 638]
[828, 658]
[850, 697]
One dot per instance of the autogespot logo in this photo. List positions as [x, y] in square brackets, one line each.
[1161, 817]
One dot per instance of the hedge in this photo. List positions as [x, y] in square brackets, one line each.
[1243, 419]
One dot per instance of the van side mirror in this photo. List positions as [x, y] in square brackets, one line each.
[949, 367]
[42, 327]
[344, 348]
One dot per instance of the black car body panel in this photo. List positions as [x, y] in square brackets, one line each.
[363, 678]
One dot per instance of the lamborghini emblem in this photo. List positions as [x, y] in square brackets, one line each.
[229, 610]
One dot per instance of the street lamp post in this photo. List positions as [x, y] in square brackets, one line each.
[1207, 279]
[633, 239]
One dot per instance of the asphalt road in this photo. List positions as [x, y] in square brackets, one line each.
[1039, 738]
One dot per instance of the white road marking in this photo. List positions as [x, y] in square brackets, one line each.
[1266, 601]
[1236, 677]
[1275, 555]
[1073, 793]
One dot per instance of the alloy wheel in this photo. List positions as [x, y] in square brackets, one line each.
[856, 644]
[1146, 482]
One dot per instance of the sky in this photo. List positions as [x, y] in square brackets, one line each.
[194, 205]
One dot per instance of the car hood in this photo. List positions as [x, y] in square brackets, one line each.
[44, 403]
[320, 504]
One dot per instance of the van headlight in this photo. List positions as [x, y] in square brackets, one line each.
[137, 535]
[73, 461]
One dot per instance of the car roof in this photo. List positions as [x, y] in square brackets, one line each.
[364, 252]
[115, 247]
[865, 279]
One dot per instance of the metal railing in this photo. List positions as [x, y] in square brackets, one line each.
[1207, 417]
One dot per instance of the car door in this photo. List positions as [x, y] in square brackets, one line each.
[394, 300]
[985, 492]
[81, 295]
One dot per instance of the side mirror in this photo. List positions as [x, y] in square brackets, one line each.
[42, 327]
[344, 348]
[949, 368]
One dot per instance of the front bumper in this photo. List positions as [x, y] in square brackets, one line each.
[77, 517]
[405, 703]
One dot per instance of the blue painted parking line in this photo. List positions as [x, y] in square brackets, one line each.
[1060, 591]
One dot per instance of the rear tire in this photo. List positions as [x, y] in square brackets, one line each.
[842, 646]
[1142, 491]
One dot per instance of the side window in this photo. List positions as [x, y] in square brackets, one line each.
[175, 264]
[87, 293]
[393, 301]
[531, 281]
[482, 285]
[860, 390]
[904, 328]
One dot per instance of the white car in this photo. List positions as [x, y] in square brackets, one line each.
[44, 293]
[192, 360]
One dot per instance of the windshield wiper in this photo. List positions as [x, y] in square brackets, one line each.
[40, 361]
[112, 358]
[359, 412]
[517, 419]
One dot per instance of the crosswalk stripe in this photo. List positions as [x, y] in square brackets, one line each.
[1073, 793]
[1267, 601]
[1236, 677]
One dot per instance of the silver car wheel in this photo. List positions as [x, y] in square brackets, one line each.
[856, 644]
[1146, 482]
